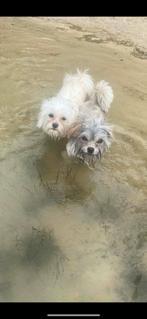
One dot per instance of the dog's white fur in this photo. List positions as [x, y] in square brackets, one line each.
[78, 96]
[104, 95]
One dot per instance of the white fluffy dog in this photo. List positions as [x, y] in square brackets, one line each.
[59, 113]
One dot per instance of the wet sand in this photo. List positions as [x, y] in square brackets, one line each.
[128, 31]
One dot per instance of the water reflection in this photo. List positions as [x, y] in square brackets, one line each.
[61, 177]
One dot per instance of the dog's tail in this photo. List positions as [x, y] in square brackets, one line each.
[104, 95]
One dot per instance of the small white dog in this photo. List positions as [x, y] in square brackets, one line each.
[59, 115]
[78, 113]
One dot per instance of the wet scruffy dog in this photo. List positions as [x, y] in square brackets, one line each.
[78, 113]
[90, 141]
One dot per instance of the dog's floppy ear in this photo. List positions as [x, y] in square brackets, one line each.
[73, 132]
[107, 129]
[42, 113]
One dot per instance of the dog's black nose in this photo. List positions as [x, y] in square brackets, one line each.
[55, 125]
[90, 150]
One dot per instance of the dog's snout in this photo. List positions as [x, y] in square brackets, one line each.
[90, 150]
[55, 125]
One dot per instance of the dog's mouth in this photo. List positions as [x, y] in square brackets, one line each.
[52, 129]
[89, 159]
[53, 133]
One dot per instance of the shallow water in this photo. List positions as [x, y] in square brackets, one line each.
[68, 233]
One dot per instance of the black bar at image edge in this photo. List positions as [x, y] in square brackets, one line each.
[48, 310]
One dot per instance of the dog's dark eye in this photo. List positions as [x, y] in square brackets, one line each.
[51, 115]
[100, 140]
[64, 118]
[84, 138]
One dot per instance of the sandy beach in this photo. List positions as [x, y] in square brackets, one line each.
[128, 31]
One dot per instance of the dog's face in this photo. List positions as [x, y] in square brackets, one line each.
[56, 117]
[90, 142]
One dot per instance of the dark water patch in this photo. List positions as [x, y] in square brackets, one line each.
[140, 290]
[75, 27]
[33, 253]
[38, 248]
[126, 43]
[139, 52]
[91, 38]
[137, 281]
